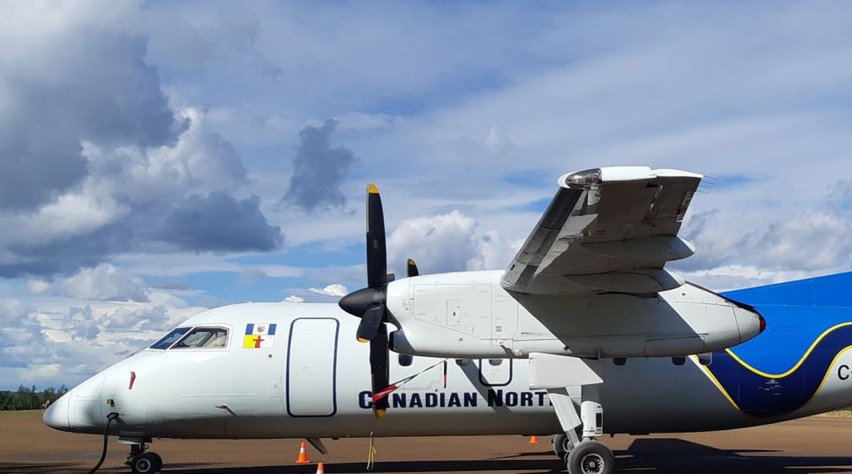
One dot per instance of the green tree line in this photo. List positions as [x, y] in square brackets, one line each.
[28, 398]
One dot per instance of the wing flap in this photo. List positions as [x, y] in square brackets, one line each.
[638, 281]
[621, 221]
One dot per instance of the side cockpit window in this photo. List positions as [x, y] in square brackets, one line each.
[204, 337]
[170, 338]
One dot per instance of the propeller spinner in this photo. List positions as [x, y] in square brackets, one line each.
[369, 303]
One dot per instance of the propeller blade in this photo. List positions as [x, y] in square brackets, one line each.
[377, 264]
[412, 268]
[379, 368]
[371, 323]
[370, 303]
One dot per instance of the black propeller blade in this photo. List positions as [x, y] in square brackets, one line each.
[380, 369]
[371, 323]
[377, 263]
[369, 303]
[412, 268]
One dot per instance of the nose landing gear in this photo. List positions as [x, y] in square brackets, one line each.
[140, 460]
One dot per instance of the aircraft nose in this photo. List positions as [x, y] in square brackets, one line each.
[56, 415]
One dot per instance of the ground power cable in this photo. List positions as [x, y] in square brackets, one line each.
[110, 417]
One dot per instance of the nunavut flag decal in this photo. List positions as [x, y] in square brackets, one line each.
[259, 336]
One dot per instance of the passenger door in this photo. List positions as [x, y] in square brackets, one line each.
[311, 377]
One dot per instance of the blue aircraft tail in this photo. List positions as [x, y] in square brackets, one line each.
[808, 324]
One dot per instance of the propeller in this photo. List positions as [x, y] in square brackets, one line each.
[412, 270]
[369, 303]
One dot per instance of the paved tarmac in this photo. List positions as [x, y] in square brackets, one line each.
[811, 445]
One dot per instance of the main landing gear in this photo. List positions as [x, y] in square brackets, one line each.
[578, 445]
[140, 460]
[583, 455]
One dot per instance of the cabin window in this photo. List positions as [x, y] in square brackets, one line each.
[208, 338]
[170, 338]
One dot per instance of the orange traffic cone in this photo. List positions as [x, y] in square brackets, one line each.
[303, 456]
[533, 439]
[320, 469]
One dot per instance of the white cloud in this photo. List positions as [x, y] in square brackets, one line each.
[199, 161]
[144, 318]
[73, 214]
[797, 240]
[41, 372]
[335, 290]
[441, 243]
[447, 243]
[186, 264]
[294, 299]
[81, 324]
[79, 338]
[38, 287]
[730, 277]
[495, 252]
[13, 312]
[106, 283]
[96, 159]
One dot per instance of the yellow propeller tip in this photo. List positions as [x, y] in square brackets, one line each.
[363, 340]
[372, 189]
[380, 413]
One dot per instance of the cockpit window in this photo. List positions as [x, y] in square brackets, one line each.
[204, 337]
[170, 338]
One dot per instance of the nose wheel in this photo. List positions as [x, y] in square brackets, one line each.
[140, 460]
[146, 463]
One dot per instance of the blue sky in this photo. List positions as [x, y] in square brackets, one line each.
[162, 158]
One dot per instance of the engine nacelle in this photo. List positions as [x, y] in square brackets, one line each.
[469, 315]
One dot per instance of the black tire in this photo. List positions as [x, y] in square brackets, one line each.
[591, 457]
[559, 445]
[146, 463]
[562, 445]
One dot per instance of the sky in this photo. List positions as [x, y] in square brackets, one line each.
[162, 158]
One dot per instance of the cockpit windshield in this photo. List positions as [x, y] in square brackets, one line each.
[170, 338]
[206, 337]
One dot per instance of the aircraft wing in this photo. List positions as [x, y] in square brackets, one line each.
[607, 230]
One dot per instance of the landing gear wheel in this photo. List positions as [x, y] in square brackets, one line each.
[562, 445]
[591, 457]
[146, 463]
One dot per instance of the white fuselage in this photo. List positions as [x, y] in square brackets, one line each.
[313, 381]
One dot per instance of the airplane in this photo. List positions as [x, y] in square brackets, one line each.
[585, 334]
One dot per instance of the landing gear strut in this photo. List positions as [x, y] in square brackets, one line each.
[578, 446]
[583, 455]
[140, 460]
